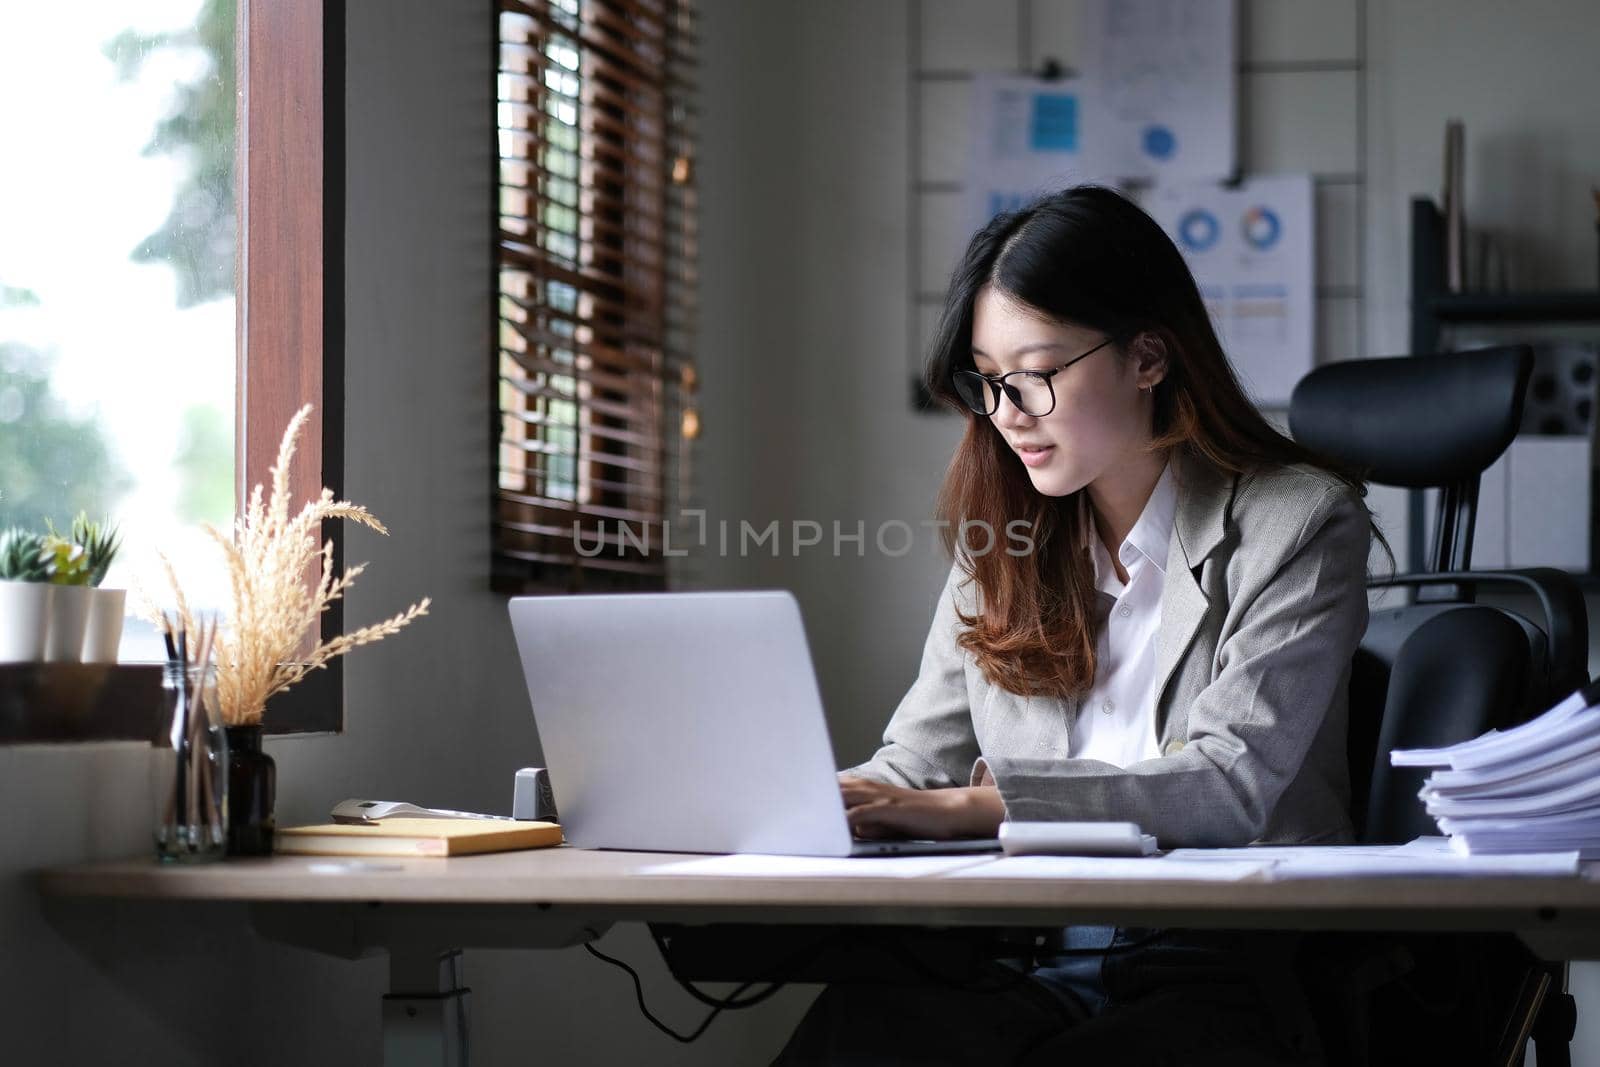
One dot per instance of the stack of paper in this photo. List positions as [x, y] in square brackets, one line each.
[1426, 857]
[1532, 788]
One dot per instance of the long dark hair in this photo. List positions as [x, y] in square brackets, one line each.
[1089, 257]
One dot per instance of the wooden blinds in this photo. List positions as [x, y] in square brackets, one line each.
[595, 256]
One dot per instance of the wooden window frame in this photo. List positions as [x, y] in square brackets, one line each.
[290, 282]
[289, 286]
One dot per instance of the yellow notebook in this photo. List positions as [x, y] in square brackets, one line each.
[416, 837]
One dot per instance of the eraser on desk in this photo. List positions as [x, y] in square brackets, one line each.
[533, 800]
[1075, 839]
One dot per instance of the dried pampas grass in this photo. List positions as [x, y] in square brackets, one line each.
[273, 610]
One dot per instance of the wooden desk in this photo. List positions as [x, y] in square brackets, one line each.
[423, 912]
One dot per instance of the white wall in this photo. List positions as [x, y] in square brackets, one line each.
[1523, 80]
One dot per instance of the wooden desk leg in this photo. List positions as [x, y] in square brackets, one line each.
[425, 1011]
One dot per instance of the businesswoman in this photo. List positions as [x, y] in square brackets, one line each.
[1173, 648]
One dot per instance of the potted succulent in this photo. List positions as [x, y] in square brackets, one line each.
[25, 596]
[99, 541]
[69, 607]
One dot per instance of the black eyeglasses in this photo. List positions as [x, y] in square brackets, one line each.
[1029, 390]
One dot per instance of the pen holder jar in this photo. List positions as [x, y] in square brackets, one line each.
[189, 772]
[252, 792]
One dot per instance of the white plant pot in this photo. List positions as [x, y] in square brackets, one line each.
[104, 633]
[69, 618]
[24, 620]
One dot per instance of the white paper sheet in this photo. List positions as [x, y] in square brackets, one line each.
[1418, 865]
[1496, 746]
[1571, 798]
[1514, 777]
[1026, 139]
[1479, 843]
[762, 866]
[1140, 868]
[1278, 853]
[1252, 249]
[1164, 79]
[1424, 857]
[1548, 734]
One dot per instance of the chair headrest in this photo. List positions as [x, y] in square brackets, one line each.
[1415, 421]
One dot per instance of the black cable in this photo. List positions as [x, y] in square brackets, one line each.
[776, 979]
[638, 992]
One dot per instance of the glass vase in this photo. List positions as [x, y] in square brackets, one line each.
[252, 792]
[189, 780]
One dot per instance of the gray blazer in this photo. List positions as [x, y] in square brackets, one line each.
[1264, 603]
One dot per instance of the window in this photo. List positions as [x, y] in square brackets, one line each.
[117, 373]
[228, 328]
[595, 255]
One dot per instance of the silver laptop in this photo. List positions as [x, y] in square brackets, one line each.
[687, 722]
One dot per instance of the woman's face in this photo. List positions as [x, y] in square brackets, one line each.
[1101, 416]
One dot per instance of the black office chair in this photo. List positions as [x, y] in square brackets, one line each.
[1438, 422]
[1442, 668]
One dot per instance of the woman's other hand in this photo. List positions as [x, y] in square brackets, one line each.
[878, 811]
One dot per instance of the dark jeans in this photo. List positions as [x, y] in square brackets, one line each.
[1126, 996]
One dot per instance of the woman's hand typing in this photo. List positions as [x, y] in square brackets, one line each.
[877, 811]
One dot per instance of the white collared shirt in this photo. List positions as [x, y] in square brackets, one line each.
[1117, 720]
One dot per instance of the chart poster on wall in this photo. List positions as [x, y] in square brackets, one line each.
[1164, 75]
[1252, 249]
[1026, 139]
